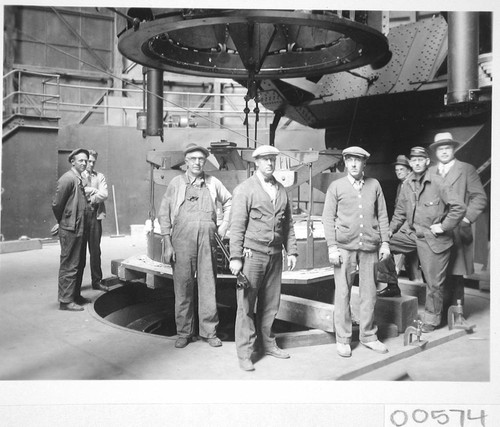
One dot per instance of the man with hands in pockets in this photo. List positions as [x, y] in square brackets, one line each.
[357, 234]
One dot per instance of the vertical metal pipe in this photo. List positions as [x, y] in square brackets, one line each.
[463, 51]
[154, 102]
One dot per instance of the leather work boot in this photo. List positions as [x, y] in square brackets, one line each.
[392, 290]
[70, 306]
[181, 342]
[343, 350]
[426, 328]
[277, 352]
[376, 346]
[246, 365]
[100, 287]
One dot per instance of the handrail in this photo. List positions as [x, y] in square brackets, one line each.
[176, 102]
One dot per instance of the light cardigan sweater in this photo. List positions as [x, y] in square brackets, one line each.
[355, 220]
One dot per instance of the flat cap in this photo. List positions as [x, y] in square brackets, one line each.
[77, 151]
[265, 150]
[356, 151]
[402, 160]
[193, 147]
[419, 152]
[444, 138]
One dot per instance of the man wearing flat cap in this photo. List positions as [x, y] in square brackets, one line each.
[188, 221]
[261, 227]
[402, 169]
[463, 179]
[73, 214]
[357, 234]
[432, 211]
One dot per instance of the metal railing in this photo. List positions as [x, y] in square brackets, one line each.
[44, 94]
[23, 98]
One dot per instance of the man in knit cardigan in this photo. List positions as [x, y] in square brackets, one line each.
[357, 233]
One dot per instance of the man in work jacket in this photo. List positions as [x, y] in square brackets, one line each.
[72, 213]
[261, 227]
[432, 211]
[188, 222]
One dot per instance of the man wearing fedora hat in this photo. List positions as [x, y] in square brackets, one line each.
[357, 234]
[463, 179]
[188, 222]
[432, 211]
[73, 215]
[261, 227]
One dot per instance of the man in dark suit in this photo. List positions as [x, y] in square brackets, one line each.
[73, 214]
[432, 211]
[261, 227]
[462, 179]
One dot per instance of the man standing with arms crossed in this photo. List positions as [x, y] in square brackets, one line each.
[96, 191]
[261, 227]
[73, 214]
[463, 179]
[188, 221]
[432, 211]
[357, 234]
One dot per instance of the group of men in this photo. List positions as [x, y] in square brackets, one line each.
[78, 206]
[435, 207]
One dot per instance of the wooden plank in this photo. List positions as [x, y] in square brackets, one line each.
[309, 313]
[304, 338]
[153, 281]
[10, 246]
[402, 311]
[128, 274]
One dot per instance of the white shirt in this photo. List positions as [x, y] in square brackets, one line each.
[269, 186]
[443, 169]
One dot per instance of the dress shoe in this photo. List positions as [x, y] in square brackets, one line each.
[181, 342]
[100, 287]
[343, 350]
[376, 346]
[246, 365]
[277, 352]
[213, 342]
[70, 306]
[390, 291]
[426, 328]
[82, 300]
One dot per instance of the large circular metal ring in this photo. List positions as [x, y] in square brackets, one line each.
[252, 44]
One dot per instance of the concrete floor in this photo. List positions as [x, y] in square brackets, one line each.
[39, 342]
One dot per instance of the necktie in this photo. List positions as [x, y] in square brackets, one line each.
[358, 185]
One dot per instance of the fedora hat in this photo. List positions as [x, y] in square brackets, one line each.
[402, 160]
[444, 138]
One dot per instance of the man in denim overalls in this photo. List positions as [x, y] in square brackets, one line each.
[188, 223]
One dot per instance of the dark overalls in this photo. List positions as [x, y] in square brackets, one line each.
[195, 259]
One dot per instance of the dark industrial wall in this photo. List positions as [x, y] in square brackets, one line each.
[28, 181]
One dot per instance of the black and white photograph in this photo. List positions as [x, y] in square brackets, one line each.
[248, 215]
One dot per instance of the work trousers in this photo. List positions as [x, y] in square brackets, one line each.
[433, 266]
[344, 279]
[259, 303]
[193, 239]
[72, 260]
[95, 234]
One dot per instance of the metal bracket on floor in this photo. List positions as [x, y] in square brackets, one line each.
[456, 318]
[412, 331]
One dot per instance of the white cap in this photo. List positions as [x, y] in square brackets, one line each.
[265, 150]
